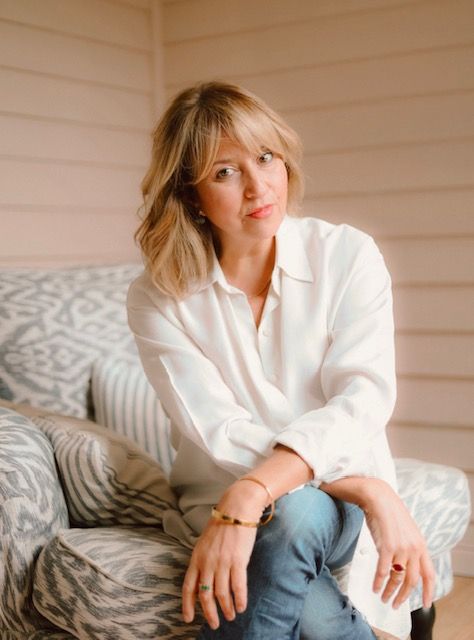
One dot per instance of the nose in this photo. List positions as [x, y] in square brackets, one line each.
[255, 185]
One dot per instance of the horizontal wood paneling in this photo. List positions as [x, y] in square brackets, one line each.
[359, 81]
[188, 19]
[30, 49]
[408, 120]
[92, 19]
[26, 183]
[435, 402]
[35, 139]
[430, 260]
[64, 99]
[426, 166]
[365, 35]
[434, 309]
[436, 355]
[59, 234]
[137, 4]
[430, 213]
[449, 446]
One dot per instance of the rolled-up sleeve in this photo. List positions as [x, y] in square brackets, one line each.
[192, 390]
[357, 376]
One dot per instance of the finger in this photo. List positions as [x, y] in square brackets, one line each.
[189, 593]
[428, 577]
[410, 582]
[223, 594]
[395, 581]
[383, 569]
[207, 600]
[238, 580]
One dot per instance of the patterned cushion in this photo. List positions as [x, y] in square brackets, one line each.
[54, 324]
[438, 499]
[106, 478]
[130, 577]
[32, 510]
[125, 402]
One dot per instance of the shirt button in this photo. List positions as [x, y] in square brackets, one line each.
[267, 333]
[364, 551]
[273, 377]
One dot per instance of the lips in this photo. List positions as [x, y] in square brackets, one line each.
[261, 212]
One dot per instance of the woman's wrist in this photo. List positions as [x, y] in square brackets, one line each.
[244, 500]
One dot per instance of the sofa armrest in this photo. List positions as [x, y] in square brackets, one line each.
[32, 510]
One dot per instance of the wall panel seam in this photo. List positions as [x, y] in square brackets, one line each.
[75, 81]
[82, 124]
[432, 285]
[124, 3]
[67, 209]
[338, 195]
[408, 144]
[402, 424]
[430, 377]
[96, 164]
[75, 36]
[387, 99]
[441, 333]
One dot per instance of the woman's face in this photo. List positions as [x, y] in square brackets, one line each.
[244, 196]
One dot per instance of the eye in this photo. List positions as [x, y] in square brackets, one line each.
[225, 172]
[265, 157]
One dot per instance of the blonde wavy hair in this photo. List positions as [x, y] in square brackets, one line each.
[177, 249]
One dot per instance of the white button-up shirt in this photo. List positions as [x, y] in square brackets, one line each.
[317, 376]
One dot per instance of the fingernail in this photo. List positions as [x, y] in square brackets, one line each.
[187, 618]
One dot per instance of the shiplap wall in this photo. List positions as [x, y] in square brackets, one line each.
[382, 93]
[78, 95]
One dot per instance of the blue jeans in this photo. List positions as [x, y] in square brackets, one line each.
[291, 593]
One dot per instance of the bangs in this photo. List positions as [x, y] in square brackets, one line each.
[251, 129]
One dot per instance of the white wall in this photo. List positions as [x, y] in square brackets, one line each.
[382, 93]
[78, 88]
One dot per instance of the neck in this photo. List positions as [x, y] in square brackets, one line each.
[249, 270]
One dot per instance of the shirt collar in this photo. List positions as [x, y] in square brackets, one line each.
[290, 251]
[290, 256]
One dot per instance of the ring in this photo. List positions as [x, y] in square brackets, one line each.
[204, 587]
[398, 568]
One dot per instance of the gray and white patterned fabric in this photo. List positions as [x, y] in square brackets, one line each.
[107, 479]
[129, 577]
[125, 402]
[53, 325]
[32, 510]
[438, 499]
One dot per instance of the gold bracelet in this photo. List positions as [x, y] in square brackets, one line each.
[270, 495]
[223, 517]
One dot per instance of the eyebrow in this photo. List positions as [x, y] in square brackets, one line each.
[223, 161]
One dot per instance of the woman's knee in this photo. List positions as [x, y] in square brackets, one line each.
[306, 517]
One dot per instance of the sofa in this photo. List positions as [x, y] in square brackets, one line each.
[84, 459]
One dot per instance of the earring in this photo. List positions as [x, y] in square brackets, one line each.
[201, 218]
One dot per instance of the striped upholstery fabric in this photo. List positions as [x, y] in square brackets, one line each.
[105, 477]
[125, 402]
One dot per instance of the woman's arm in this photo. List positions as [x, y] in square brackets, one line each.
[222, 553]
[395, 534]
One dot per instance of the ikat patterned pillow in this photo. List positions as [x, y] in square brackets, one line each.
[53, 324]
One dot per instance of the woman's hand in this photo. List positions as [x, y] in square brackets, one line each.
[396, 536]
[221, 556]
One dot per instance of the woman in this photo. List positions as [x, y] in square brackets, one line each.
[269, 340]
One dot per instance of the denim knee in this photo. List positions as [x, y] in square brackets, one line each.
[308, 518]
